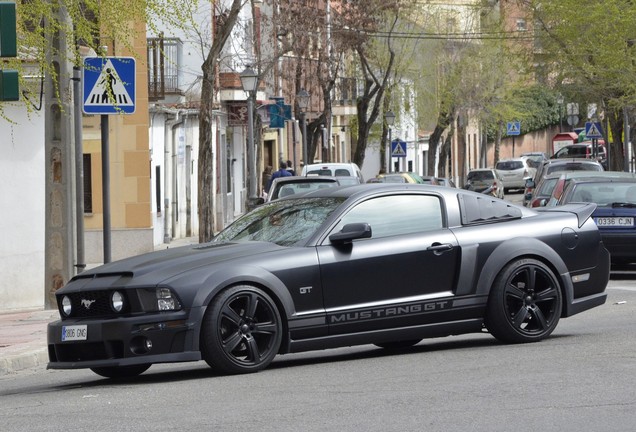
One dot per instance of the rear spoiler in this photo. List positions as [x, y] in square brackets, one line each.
[583, 211]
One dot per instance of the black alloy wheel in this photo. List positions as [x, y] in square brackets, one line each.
[525, 302]
[121, 371]
[241, 331]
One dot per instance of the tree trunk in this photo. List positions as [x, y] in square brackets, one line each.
[616, 162]
[443, 120]
[223, 29]
[206, 163]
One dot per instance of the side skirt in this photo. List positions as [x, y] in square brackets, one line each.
[379, 336]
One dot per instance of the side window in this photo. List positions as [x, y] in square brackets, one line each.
[397, 215]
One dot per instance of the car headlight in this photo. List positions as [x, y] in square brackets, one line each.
[166, 300]
[67, 306]
[117, 301]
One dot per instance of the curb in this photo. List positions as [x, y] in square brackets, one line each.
[27, 360]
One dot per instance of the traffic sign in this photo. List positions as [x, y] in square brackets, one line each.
[398, 148]
[513, 128]
[593, 130]
[109, 85]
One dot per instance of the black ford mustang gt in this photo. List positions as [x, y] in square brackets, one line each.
[383, 264]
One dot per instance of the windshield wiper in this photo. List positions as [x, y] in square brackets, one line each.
[623, 204]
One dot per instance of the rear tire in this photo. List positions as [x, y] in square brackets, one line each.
[241, 331]
[525, 302]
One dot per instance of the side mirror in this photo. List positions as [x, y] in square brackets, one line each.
[260, 201]
[530, 183]
[351, 232]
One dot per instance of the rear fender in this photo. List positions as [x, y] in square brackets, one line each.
[526, 247]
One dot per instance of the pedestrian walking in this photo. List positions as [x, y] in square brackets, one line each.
[282, 172]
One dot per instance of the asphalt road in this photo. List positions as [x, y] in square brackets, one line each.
[582, 378]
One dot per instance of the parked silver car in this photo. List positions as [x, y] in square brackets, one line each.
[515, 172]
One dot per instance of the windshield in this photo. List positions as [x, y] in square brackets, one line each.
[480, 175]
[553, 168]
[609, 194]
[286, 222]
[509, 165]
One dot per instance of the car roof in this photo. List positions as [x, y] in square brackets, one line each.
[520, 158]
[305, 179]
[603, 180]
[564, 161]
[595, 175]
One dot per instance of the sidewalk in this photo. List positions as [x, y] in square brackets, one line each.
[23, 333]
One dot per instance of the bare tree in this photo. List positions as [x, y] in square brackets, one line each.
[225, 21]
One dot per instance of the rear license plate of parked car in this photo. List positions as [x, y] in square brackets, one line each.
[74, 333]
[615, 221]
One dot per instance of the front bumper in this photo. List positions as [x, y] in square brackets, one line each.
[125, 341]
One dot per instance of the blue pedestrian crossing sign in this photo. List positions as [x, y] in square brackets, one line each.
[109, 85]
[513, 128]
[398, 148]
[593, 130]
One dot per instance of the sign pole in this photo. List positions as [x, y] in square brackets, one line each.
[109, 88]
[106, 188]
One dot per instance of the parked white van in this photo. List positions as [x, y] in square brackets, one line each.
[334, 170]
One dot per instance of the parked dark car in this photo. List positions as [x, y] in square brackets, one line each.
[369, 264]
[557, 165]
[552, 185]
[615, 213]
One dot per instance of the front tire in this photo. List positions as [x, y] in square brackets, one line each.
[241, 331]
[525, 302]
[121, 371]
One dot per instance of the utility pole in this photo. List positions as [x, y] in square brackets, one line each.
[59, 156]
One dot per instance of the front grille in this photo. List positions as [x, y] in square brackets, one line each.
[91, 304]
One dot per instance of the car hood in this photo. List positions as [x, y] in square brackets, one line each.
[153, 268]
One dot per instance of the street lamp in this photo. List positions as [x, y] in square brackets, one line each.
[560, 102]
[303, 102]
[389, 117]
[249, 81]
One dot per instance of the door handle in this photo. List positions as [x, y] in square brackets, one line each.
[439, 248]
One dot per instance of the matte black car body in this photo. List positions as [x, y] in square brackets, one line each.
[372, 280]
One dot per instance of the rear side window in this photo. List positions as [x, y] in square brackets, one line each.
[477, 209]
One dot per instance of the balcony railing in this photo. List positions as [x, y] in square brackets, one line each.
[164, 58]
[346, 91]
